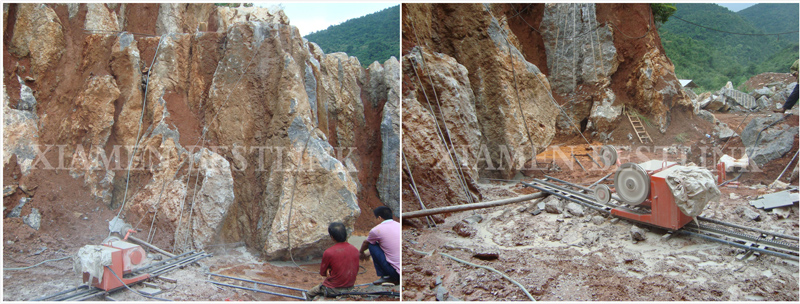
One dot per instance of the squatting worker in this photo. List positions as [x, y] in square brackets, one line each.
[339, 264]
[383, 243]
[792, 100]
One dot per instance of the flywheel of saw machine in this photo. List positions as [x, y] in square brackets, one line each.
[632, 183]
[602, 194]
[608, 155]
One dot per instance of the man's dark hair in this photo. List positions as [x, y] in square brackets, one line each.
[338, 232]
[383, 212]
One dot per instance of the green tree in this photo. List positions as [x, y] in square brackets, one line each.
[374, 37]
[662, 11]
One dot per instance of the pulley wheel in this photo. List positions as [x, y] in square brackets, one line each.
[608, 154]
[110, 239]
[632, 183]
[602, 194]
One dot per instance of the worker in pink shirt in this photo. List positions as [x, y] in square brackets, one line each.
[383, 243]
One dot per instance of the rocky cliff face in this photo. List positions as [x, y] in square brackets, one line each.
[233, 124]
[481, 84]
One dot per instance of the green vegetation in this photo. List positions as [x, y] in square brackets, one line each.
[374, 37]
[642, 118]
[682, 137]
[662, 11]
[712, 58]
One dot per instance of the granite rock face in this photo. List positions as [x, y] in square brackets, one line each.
[388, 83]
[232, 100]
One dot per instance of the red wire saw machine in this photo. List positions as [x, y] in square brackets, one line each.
[645, 185]
[113, 255]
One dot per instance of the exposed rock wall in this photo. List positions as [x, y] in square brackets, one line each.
[432, 161]
[512, 102]
[240, 83]
[593, 60]
[385, 84]
[37, 33]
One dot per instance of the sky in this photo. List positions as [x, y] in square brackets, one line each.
[312, 17]
[735, 7]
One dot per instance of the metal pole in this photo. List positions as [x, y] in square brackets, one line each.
[151, 246]
[568, 183]
[579, 163]
[258, 290]
[600, 180]
[426, 212]
[256, 282]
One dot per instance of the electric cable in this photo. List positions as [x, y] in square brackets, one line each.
[37, 264]
[138, 133]
[733, 33]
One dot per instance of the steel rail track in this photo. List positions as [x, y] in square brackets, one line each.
[84, 292]
[304, 297]
[779, 244]
[745, 237]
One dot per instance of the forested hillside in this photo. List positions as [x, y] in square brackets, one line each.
[374, 37]
[724, 46]
[773, 17]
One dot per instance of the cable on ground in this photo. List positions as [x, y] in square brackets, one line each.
[37, 264]
[134, 291]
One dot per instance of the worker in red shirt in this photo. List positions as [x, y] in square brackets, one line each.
[339, 265]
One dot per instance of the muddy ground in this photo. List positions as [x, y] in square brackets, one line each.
[564, 257]
[191, 282]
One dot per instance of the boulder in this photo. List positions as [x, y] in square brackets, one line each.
[552, 205]
[752, 215]
[99, 18]
[716, 103]
[27, 102]
[737, 97]
[214, 198]
[638, 234]
[464, 230]
[323, 193]
[38, 33]
[703, 100]
[762, 92]
[764, 103]
[20, 136]
[707, 116]
[575, 209]
[723, 131]
[34, 219]
[605, 115]
[17, 211]
[763, 145]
